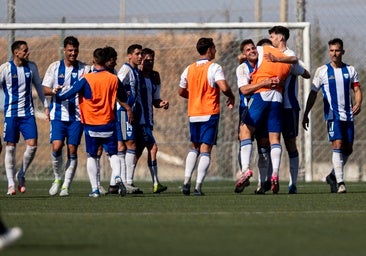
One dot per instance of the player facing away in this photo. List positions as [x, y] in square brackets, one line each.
[65, 124]
[337, 80]
[201, 83]
[98, 91]
[16, 78]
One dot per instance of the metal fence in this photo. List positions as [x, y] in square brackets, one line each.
[174, 51]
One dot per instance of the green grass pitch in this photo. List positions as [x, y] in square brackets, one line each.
[313, 222]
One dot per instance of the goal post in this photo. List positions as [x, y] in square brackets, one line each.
[304, 27]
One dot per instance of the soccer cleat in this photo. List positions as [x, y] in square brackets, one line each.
[113, 189]
[55, 187]
[10, 236]
[243, 181]
[64, 191]
[332, 181]
[95, 193]
[122, 191]
[132, 189]
[292, 189]
[21, 184]
[275, 185]
[102, 190]
[267, 185]
[260, 190]
[158, 188]
[11, 191]
[341, 188]
[186, 189]
[197, 192]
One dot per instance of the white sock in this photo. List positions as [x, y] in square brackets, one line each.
[294, 167]
[276, 151]
[10, 164]
[337, 161]
[91, 166]
[57, 164]
[245, 153]
[190, 164]
[116, 168]
[122, 159]
[130, 165]
[202, 168]
[28, 157]
[71, 166]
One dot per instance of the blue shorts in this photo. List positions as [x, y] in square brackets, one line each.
[13, 126]
[96, 136]
[341, 130]
[205, 132]
[127, 130]
[264, 113]
[71, 131]
[144, 135]
[290, 125]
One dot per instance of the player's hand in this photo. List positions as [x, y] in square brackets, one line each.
[164, 104]
[47, 112]
[130, 116]
[230, 103]
[356, 109]
[305, 122]
[270, 57]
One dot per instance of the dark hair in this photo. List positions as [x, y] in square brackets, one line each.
[99, 56]
[132, 48]
[71, 40]
[110, 52]
[148, 51]
[16, 45]
[336, 41]
[280, 30]
[245, 42]
[204, 44]
[264, 41]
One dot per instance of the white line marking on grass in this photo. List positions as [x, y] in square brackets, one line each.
[187, 213]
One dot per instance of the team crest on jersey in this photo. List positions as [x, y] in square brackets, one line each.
[27, 74]
[74, 75]
[346, 76]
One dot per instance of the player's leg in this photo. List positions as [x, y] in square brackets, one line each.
[75, 131]
[28, 128]
[57, 136]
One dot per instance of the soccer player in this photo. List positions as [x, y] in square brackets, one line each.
[264, 108]
[65, 124]
[16, 77]
[291, 108]
[336, 80]
[130, 114]
[98, 95]
[150, 97]
[201, 83]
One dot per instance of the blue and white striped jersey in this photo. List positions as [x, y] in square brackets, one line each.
[131, 79]
[59, 74]
[149, 92]
[336, 85]
[17, 85]
[243, 77]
